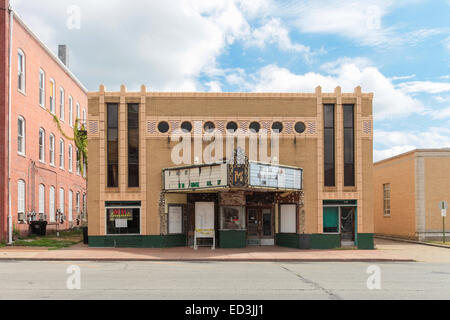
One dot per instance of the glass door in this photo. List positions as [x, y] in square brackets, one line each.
[253, 222]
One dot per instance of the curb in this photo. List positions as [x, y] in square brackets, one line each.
[204, 260]
[413, 241]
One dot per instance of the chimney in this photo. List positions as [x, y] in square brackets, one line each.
[63, 54]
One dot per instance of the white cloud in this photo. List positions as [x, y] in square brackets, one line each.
[214, 86]
[442, 99]
[389, 102]
[391, 143]
[446, 43]
[424, 86]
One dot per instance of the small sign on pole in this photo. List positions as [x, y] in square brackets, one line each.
[443, 205]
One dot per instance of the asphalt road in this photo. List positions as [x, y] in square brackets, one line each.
[214, 280]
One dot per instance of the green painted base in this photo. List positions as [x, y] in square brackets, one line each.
[325, 241]
[287, 240]
[232, 239]
[365, 241]
[167, 241]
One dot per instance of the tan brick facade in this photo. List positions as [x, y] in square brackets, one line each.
[299, 150]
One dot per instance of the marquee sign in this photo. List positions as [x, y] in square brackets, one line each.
[196, 177]
[275, 176]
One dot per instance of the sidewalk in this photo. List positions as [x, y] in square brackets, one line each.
[250, 254]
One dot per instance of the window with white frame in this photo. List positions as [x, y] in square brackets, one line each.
[70, 158]
[78, 161]
[77, 203]
[61, 154]
[42, 88]
[70, 111]
[21, 196]
[42, 145]
[387, 199]
[70, 202]
[41, 198]
[84, 206]
[288, 218]
[21, 71]
[52, 96]
[84, 116]
[61, 200]
[61, 104]
[78, 114]
[21, 135]
[51, 205]
[52, 149]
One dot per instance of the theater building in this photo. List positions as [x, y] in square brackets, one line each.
[407, 191]
[230, 170]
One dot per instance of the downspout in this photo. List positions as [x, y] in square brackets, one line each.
[10, 222]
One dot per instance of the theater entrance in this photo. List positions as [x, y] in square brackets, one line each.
[260, 226]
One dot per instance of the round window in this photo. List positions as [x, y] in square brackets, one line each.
[186, 126]
[232, 127]
[163, 127]
[209, 127]
[277, 127]
[300, 127]
[255, 127]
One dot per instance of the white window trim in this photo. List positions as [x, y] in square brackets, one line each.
[43, 145]
[21, 196]
[71, 111]
[41, 197]
[51, 149]
[62, 199]
[42, 73]
[61, 154]
[24, 150]
[62, 98]
[78, 114]
[70, 156]
[70, 205]
[52, 215]
[23, 67]
[53, 95]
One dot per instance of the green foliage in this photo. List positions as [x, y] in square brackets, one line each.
[79, 138]
[46, 243]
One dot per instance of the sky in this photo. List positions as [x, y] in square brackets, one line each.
[397, 49]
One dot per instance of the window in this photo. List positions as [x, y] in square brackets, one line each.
[349, 146]
[84, 206]
[70, 203]
[21, 71]
[61, 200]
[330, 219]
[61, 104]
[77, 203]
[113, 145]
[51, 204]
[123, 221]
[300, 127]
[70, 111]
[329, 159]
[21, 136]
[84, 116]
[78, 162]
[78, 115]
[70, 158]
[232, 127]
[42, 88]
[163, 127]
[387, 199]
[255, 127]
[175, 219]
[209, 127]
[21, 196]
[41, 199]
[61, 154]
[133, 145]
[288, 218]
[52, 96]
[41, 145]
[277, 127]
[52, 149]
[186, 127]
[232, 218]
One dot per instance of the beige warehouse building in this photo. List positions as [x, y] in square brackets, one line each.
[306, 184]
[407, 192]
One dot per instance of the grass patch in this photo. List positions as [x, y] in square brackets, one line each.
[2, 245]
[66, 239]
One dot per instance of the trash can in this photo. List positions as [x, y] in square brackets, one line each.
[85, 235]
[39, 228]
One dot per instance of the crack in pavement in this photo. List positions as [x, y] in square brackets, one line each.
[315, 285]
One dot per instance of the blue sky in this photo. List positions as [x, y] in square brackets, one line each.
[400, 50]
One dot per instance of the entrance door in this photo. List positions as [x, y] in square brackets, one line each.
[348, 225]
[260, 226]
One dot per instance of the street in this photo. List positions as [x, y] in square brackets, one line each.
[223, 280]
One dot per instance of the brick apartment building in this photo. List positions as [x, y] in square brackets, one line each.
[35, 156]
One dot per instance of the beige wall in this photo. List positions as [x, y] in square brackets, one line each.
[300, 150]
[400, 173]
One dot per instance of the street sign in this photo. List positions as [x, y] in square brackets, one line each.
[443, 205]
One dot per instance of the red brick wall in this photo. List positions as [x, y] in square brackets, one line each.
[4, 39]
[36, 117]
